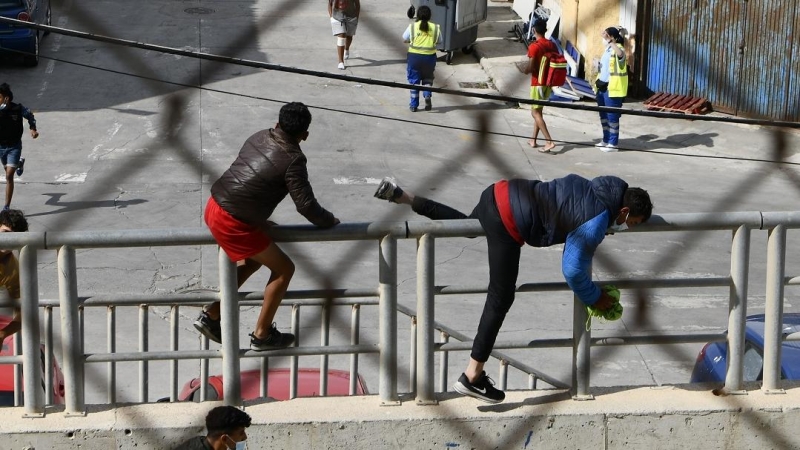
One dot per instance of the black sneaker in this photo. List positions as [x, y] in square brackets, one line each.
[388, 190]
[20, 167]
[208, 327]
[428, 105]
[483, 389]
[273, 341]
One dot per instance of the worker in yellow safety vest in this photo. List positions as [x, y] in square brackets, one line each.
[611, 86]
[422, 37]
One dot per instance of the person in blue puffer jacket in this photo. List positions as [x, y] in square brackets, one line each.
[571, 210]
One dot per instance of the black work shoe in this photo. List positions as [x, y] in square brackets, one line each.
[208, 327]
[482, 389]
[20, 167]
[428, 105]
[412, 108]
[274, 340]
[388, 190]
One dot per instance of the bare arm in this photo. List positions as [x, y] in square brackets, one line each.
[13, 327]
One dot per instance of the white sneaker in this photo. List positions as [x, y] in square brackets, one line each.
[609, 148]
[601, 144]
[341, 66]
[347, 54]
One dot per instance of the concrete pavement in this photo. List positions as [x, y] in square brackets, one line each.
[104, 161]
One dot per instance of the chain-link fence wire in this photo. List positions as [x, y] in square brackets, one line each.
[483, 149]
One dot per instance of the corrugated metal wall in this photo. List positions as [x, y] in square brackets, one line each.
[733, 52]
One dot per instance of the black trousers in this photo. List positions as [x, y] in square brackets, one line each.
[504, 253]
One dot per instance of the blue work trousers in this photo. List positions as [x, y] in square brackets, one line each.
[609, 120]
[420, 71]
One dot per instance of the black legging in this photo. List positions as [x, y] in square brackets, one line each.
[504, 254]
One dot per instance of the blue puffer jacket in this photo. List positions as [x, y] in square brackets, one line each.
[572, 211]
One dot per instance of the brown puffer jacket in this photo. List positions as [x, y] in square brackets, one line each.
[269, 166]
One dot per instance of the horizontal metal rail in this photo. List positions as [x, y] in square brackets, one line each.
[596, 341]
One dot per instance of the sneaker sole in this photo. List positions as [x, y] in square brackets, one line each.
[463, 390]
[207, 333]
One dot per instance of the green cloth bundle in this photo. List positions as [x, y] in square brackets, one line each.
[610, 314]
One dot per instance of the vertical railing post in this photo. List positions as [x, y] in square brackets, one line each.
[325, 331]
[581, 352]
[71, 346]
[111, 346]
[355, 325]
[426, 249]
[294, 360]
[174, 318]
[773, 312]
[737, 313]
[387, 278]
[444, 363]
[412, 357]
[229, 315]
[31, 359]
[144, 345]
[48, 355]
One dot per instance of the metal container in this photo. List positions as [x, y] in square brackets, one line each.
[458, 21]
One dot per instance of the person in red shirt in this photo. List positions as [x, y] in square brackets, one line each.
[536, 50]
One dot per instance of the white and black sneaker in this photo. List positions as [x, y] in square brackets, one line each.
[483, 388]
[274, 340]
[209, 327]
[388, 190]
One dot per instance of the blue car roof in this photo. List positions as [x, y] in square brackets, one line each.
[790, 351]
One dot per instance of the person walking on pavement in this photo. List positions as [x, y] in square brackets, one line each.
[269, 166]
[538, 49]
[422, 37]
[11, 129]
[611, 86]
[344, 21]
[571, 210]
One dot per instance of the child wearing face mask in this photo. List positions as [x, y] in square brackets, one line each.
[11, 115]
[611, 86]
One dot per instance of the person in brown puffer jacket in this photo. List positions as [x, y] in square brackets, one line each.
[269, 166]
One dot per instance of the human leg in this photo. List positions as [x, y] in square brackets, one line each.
[540, 93]
[613, 120]
[282, 269]
[9, 184]
[427, 79]
[414, 77]
[601, 101]
[504, 254]
[244, 269]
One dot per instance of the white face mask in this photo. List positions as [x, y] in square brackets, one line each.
[2, 107]
[242, 445]
[615, 227]
[605, 42]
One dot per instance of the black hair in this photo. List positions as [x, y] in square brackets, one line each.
[615, 34]
[638, 201]
[539, 26]
[225, 420]
[294, 118]
[424, 15]
[5, 91]
[14, 219]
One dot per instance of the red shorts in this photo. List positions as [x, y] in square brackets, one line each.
[239, 240]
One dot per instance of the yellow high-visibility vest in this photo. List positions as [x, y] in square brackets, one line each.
[618, 76]
[422, 42]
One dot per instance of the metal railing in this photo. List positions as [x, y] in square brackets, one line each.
[424, 327]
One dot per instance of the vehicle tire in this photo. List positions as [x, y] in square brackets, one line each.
[467, 50]
[48, 20]
[448, 58]
[33, 60]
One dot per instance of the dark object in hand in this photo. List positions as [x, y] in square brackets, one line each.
[602, 86]
[411, 11]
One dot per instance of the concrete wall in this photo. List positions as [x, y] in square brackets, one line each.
[685, 417]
